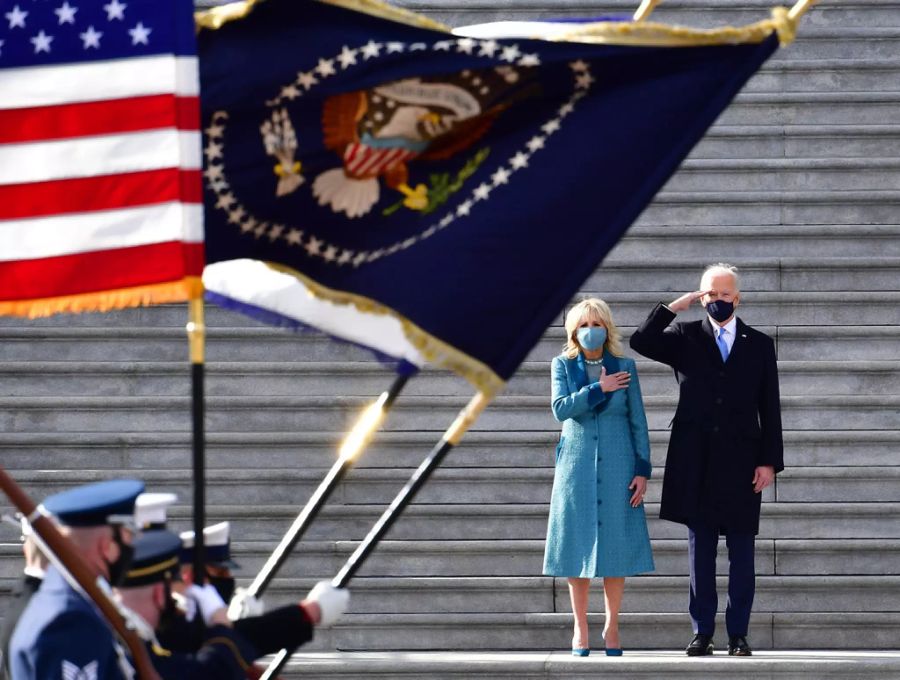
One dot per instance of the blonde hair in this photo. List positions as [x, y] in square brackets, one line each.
[592, 309]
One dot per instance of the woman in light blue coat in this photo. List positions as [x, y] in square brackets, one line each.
[597, 526]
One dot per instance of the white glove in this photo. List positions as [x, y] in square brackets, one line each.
[208, 600]
[332, 602]
[243, 604]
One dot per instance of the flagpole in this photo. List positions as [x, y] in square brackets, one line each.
[357, 439]
[451, 438]
[645, 8]
[196, 330]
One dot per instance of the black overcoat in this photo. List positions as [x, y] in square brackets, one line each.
[728, 420]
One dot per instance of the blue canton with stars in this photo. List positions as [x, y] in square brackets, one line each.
[470, 185]
[39, 32]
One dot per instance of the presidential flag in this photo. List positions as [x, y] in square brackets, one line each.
[100, 188]
[438, 196]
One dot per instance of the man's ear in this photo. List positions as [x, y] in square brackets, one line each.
[737, 299]
[159, 595]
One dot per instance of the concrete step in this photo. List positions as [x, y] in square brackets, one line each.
[643, 594]
[829, 630]
[230, 414]
[485, 485]
[772, 207]
[165, 343]
[117, 379]
[834, 309]
[643, 665]
[139, 451]
[529, 521]
[799, 141]
[785, 175]
[828, 107]
[703, 244]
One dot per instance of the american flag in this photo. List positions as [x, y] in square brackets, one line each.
[100, 191]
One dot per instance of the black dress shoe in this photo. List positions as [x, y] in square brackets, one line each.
[737, 646]
[701, 645]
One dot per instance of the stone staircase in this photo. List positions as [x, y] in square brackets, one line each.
[798, 184]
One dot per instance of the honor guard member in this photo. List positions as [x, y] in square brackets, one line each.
[61, 634]
[224, 651]
[285, 627]
[33, 576]
[217, 558]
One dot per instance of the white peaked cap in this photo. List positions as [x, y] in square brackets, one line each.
[150, 509]
[216, 534]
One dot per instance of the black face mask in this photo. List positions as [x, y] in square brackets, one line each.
[224, 584]
[720, 310]
[118, 569]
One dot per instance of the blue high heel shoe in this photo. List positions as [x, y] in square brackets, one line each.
[615, 651]
[580, 652]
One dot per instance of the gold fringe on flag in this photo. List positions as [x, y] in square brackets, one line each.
[188, 288]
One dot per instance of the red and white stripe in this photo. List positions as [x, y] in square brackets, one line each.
[100, 183]
[363, 162]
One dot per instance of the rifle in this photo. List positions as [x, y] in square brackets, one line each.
[67, 554]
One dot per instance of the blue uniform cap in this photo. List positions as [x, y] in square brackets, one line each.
[94, 505]
[155, 559]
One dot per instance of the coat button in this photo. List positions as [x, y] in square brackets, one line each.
[719, 400]
[715, 428]
[721, 374]
[599, 502]
[595, 437]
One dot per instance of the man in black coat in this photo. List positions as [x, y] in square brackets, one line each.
[726, 444]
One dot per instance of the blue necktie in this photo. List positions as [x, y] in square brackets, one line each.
[723, 346]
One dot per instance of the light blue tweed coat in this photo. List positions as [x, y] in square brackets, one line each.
[592, 529]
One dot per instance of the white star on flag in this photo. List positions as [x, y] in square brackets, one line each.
[520, 160]
[91, 38]
[535, 143]
[443, 45]
[66, 13]
[465, 45]
[306, 79]
[115, 10]
[41, 42]
[325, 67]
[530, 60]
[464, 208]
[347, 57]
[140, 34]
[578, 65]
[500, 177]
[370, 49]
[488, 47]
[395, 47]
[16, 17]
[510, 53]
[482, 191]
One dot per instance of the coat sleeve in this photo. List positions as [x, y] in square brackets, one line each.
[224, 655]
[655, 340]
[282, 628]
[637, 420]
[770, 413]
[567, 404]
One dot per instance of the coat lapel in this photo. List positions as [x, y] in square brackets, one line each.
[710, 342]
[579, 371]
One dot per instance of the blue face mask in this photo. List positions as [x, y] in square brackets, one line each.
[591, 337]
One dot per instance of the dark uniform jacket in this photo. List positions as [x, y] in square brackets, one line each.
[18, 600]
[728, 420]
[61, 635]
